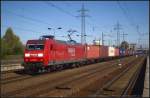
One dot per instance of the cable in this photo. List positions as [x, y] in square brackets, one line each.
[60, 9]
[131, 22]
[21, 28]
[28, 18]
[64, 11]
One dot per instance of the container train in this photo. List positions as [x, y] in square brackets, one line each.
[46, 54]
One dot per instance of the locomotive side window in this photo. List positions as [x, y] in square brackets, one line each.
[35, 47]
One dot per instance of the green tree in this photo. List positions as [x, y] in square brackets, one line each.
[124, 44]
[11, 44]
[3, 48]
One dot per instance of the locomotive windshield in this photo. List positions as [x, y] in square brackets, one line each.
[35, 47]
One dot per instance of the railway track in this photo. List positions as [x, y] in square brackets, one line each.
[121, 86]
[14, 75]
[76, 86]
[68, 76]
[14, 79]
[130, 86]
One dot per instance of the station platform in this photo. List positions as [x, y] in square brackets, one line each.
[146, 81]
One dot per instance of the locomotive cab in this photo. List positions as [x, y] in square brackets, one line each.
[34, 54]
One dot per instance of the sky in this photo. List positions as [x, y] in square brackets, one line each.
[31, 19]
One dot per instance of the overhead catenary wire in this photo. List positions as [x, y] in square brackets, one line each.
[128, 17]
[70, 14]
[131, 22]
[64, 11]
[76, 17]
[21, 28]
[60, 9]
[29, 18]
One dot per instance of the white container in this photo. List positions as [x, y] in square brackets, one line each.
[111, 51]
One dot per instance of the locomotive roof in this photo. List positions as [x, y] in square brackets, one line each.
[60, 41]
[68, 42]
[35, 42]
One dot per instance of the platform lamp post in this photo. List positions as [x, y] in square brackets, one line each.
[54, 30]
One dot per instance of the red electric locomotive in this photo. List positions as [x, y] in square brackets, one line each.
[47, 53]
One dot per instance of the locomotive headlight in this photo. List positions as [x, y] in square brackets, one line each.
[27, 54]
[40, 54]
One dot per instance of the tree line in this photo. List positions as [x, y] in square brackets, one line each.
[11, 44]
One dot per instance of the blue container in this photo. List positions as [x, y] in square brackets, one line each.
[121, 51]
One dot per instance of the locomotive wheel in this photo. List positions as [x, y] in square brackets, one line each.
[48, 69]
[73, 65]
[61, 67]
[42, 70]
[77, 65]
[66, 66]
[30, 72]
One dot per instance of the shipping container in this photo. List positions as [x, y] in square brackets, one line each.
[122, 51]
[111, 51]
[116, 52]
[93, 51]
[103, 51]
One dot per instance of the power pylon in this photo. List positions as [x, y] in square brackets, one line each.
[118, 28]
[123, 35]
[83, 16]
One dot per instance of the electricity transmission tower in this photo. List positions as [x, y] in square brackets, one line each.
[140, 38]
[83, 16]
[140, 35]
[118, 28]
[123, 35]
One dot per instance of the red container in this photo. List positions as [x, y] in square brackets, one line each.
[116, 52]
[93, 51]
[103, 51]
